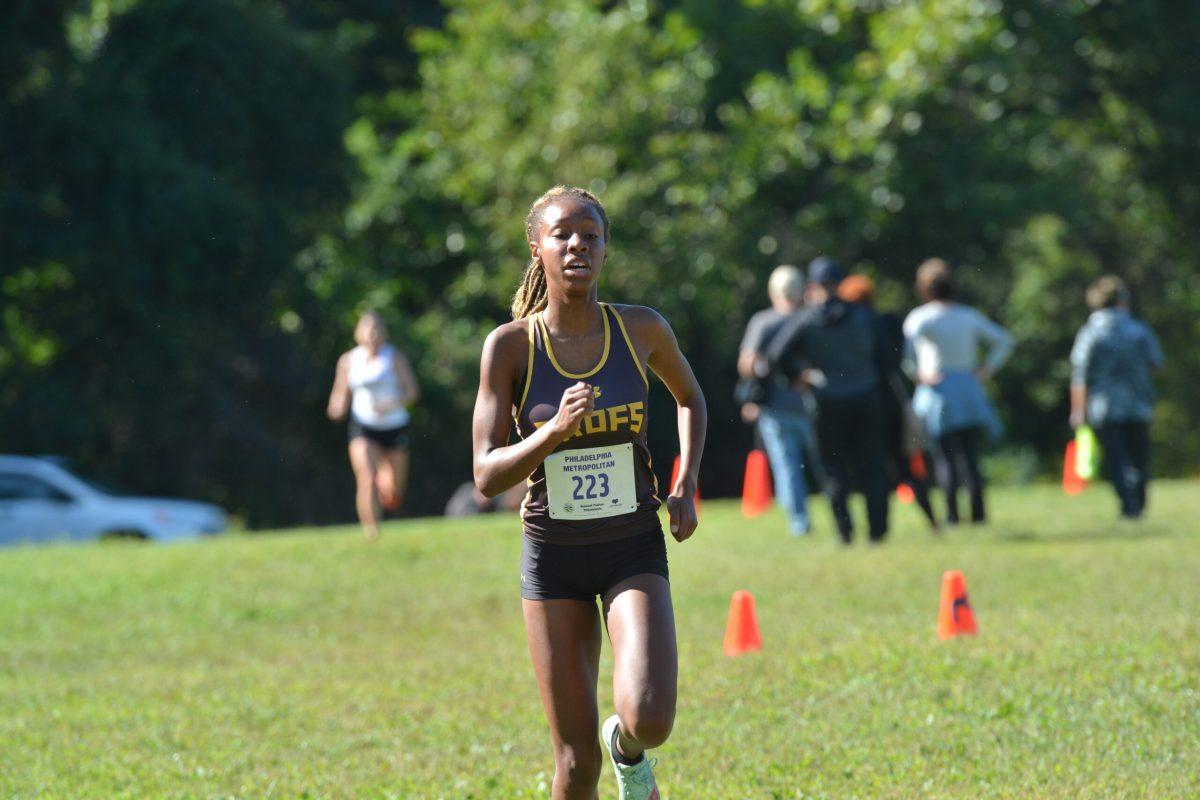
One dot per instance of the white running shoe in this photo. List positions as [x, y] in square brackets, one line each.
[634, 782]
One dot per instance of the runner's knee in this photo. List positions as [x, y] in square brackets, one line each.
[650, 724]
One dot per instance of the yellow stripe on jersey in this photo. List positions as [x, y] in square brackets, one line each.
[528, 375]
[576, 376]
[629, 343]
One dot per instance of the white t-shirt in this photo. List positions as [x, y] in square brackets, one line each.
[947, 337]
[376, 397]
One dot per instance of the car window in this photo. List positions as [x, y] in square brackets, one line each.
[23, 487]
[96, 485]
[103, 487]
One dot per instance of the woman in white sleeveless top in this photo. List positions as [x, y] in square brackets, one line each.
[375, 385]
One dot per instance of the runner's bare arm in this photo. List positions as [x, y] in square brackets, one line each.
[498, 465]
[410, 388]
[654, 338]
[745, 362]
[339, 396]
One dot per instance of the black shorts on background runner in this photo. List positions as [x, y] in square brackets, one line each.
[387, 438]
[583, 571]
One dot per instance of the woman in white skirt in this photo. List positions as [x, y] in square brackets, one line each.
[943, 340]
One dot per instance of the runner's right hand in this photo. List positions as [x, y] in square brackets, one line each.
[577, 402]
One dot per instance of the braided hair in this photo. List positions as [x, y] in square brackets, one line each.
[531, 295]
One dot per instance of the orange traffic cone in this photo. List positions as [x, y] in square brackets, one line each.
[955, 617]
[1071, 482]
[904, 493]
[675, 474]
[916, 463]
[741, 630]
[756, 488]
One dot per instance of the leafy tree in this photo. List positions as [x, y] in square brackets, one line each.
[197, 199]
[179, 165]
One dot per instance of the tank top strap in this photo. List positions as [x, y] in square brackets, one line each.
[532, 328]
[633, 355]
[356, 373]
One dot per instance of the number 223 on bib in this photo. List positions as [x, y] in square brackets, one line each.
[591, 483]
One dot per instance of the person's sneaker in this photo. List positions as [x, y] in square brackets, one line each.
[634, 782]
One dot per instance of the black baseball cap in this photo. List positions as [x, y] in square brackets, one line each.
[825, 271]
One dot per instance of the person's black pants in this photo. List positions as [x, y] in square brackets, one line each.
[955, 464]
[850, 436]
[1126, 451]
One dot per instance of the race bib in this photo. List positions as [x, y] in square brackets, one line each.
[591, 483]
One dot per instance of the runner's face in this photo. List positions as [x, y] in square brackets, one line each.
[369, 333]
[571, 245]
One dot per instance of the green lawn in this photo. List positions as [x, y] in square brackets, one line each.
[313, 664]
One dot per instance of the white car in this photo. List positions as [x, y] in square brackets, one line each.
[41, 500]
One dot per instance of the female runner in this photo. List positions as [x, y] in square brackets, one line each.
[375, 386]
[571, 372]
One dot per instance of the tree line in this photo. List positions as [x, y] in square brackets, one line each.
[197, 199]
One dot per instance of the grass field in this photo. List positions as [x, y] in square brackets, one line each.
[313, 664]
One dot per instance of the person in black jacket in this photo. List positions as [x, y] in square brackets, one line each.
[835, 348]
[893, 395]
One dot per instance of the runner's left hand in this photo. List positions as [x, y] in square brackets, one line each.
[681, 511]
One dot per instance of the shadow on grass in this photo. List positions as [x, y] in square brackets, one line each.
[1113, 532]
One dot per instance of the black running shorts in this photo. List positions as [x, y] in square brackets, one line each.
[583, 571]
[387, 438]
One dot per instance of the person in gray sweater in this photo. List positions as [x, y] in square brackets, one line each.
[943, 343]
[833, 346]
[1113, 364]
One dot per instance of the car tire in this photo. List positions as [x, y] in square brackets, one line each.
[125, 534]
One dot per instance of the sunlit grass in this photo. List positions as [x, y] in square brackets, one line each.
[313, 663]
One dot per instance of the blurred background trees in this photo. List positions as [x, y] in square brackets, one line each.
[196, 200]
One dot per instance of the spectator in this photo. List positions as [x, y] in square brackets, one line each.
[468, 501]
[836, 341]
[942, 341]
[898, 435]
[1111, 388]
[775, 401]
